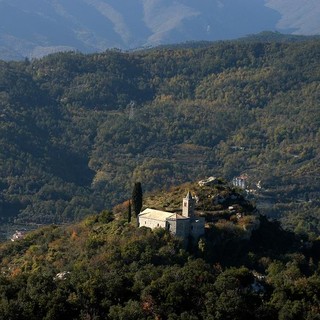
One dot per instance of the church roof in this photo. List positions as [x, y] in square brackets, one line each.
[160, 215]
[177, 216]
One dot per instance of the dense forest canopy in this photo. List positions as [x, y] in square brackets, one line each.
[78, 130]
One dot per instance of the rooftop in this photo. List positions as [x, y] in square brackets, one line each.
[160, 215]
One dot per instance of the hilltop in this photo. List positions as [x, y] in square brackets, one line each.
[105, 267]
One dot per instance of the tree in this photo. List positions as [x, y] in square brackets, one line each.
[137, 198]
[129, 212]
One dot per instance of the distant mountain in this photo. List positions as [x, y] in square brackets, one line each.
[37, 27]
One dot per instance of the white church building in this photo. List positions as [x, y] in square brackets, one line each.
[181, 225]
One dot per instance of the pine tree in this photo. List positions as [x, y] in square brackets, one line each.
[137, 198]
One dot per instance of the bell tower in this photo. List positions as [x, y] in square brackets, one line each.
[188, 205]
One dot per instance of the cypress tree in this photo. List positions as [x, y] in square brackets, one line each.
[137, 198]
[129, 212]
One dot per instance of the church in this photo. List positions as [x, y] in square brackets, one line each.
[181, 225]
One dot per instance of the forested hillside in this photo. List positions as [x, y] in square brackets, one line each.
[78, 130]
[107, 268]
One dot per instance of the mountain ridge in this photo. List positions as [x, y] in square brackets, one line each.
[36, 28]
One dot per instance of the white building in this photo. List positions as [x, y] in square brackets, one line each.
[19, 234]
[241, 182]
[182, 226]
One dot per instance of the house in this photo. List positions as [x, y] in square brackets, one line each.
[241, 182]
[181, 225]
[19, 234]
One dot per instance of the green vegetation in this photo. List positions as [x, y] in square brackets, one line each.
[76, 131]
[107, 268]
[136, 198]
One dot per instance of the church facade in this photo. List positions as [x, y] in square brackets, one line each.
[181, 225]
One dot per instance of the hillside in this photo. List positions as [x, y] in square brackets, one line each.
[77, 130]
[106, 268]
[37, 28]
